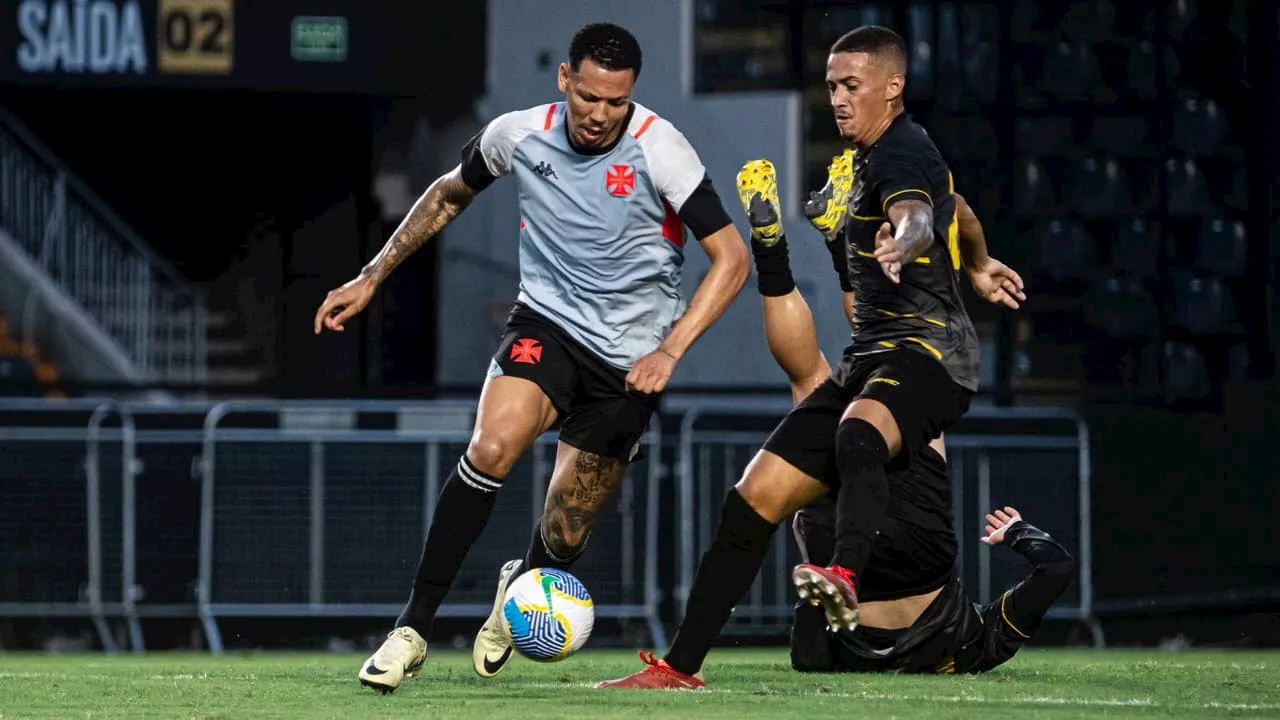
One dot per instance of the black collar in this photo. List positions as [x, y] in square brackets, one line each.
[901, 117]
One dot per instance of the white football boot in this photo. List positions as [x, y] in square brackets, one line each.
[402, 653]
[492, 648]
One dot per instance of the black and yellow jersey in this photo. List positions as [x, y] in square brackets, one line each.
[925, 311]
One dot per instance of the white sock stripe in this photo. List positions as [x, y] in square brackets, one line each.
[473, 484]
[475, 478]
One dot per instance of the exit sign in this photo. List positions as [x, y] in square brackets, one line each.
[318, 39]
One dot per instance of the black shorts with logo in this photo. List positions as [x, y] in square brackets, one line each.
[598, 414]
[917, 389]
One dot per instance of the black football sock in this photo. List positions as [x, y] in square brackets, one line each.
[861, 456]
[725, 574]
[773, 267]
[540, 556]
[462, 511]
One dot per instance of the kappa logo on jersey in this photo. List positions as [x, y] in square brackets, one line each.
[545, 170]
[527, 350]
[620, 180]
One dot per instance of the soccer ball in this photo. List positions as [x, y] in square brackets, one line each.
[548, 614]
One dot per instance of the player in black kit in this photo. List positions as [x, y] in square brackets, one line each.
[909, 374]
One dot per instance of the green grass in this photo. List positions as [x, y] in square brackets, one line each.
[743, 684]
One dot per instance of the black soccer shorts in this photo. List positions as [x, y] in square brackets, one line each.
[918, 391]
[598, 414]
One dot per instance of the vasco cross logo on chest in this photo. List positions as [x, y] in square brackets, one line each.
[620, 180]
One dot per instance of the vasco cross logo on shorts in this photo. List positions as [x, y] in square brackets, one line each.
[620, 180]
[527, 350]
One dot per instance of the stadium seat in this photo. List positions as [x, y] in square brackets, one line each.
[1126, 136]
[1100, 189]
[968, 137]
[1064, 250]
[1044, 136]
[1136, 249]
[1235, 183]
[1186, 374]
[1090, 21]
[980, 60]
[1238, 362]
[1188, 189]
[1222, 247]
[1199, 127]
[1122, 307]
[1202, 303]
[920, 51]
[1071, 72]
[1143, 70]
[1182, 19]
[1026, 21]
[1034, 194]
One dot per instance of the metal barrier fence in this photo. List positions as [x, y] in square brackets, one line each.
[315, 518]
[307, 509]
[1035, 458]
[299, 511]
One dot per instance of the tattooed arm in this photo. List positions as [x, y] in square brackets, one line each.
[443, 201]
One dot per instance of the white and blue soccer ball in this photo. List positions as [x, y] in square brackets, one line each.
[548, 614]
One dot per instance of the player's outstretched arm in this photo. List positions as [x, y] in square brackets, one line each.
[443, 201]
[992, 280]
[913, 219]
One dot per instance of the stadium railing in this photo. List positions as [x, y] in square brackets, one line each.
[1034, 458]
[318, 517]
[154, 315]
[318, 509]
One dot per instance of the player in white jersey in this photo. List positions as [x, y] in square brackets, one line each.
[606, 190]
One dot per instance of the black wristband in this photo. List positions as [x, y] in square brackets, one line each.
[773, 268]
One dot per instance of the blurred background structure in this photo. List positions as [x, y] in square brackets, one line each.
[181, 181]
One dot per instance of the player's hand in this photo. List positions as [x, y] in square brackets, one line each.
[343, 303]
[997, 283]
[998, 521]
[651, 373]
[889, 253]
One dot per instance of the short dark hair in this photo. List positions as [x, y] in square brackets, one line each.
[610, 46]
[874, 40]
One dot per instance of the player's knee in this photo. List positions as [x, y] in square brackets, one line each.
[775, 489]
[859, 444]
[492, 453]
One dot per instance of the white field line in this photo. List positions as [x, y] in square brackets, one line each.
[974, 699]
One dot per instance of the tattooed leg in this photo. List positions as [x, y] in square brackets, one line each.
[582, 484]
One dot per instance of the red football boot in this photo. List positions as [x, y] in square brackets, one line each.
[657, 676]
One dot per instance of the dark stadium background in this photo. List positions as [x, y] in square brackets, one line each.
[261, 187]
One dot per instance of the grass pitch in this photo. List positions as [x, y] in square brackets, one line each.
[743, 684]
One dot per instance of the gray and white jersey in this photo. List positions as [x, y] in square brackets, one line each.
[601, 233]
